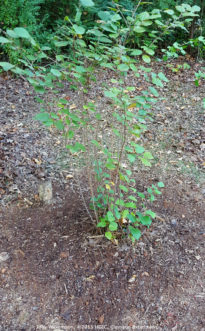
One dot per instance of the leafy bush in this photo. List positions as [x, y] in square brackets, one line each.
[113, 135]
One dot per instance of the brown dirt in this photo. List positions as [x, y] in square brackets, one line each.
[60, 274]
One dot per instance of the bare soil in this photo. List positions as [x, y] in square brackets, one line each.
[56, 272]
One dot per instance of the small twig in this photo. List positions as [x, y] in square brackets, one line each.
[66, 291]
[84, 202]
[99, 236]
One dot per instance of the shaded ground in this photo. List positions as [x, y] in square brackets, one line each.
[56, 273]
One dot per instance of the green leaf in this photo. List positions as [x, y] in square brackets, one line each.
[123, 188]
[123, 67]
[95, 142]
[141, 195]
[61, 43]
[195, 8]
[79, 29]
[109, 94]
[136, 233]
[120, 202]
[102, 224]
[108, 235]
[156, 191]
[110, 216]
[144, 16]
[160, 184]
[96, 32]
[163, 77]
[130, 205]
[181, 9]
[145, 162]
[139, 29]
[169, 12]
[150, 213]
[6, 66]
[129, 172]
[153, 91]
[159, 23]
[76, 148]
[146, 23]
[146, 58]
[45, 48]
[117, 213]
[22, 33]
[148, 50]
[11, 34]
[54, 116]
[105, 40]
[59, 125]
[116, 132]
[129, 149]
[136, 52]
[139, 149]
[113, 226]
[80, 69]
[148, 156]
[157, 81]
[39, 89]
[132, 218]
[110, 166]
[133, 67]
[145, 220]
[4, 40]
[116, 17]
[87, 3]
[125, 213]
[70, 134]
[43, 117]
[56, 72]
[131, 157]
[104, 15]
[131, 197]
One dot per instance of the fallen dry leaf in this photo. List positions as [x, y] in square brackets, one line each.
[69, 176]
[90, 278]
[132, 279]
[37, 161]
[101, 319]
[64, 255]
[198, 257]
[19, 251]
[130, 324]
[145, 273]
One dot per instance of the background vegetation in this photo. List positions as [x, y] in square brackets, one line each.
[45, 18]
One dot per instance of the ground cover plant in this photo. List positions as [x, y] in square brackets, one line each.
[105, 144]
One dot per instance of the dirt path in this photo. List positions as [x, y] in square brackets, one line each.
[55, 274]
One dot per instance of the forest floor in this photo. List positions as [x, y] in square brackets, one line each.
[55, 274]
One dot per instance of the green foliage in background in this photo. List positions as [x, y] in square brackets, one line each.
[46, 19]
[19, 13]
[23, 13]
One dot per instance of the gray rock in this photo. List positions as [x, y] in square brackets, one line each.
[4, 256]
[174, 222]
[45, 192]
